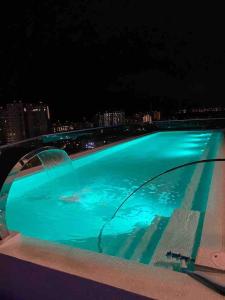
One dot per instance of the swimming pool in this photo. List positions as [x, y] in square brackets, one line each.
[70, 204]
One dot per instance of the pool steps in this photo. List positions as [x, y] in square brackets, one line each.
[127, 244]
[179, 237]
[193, 185]
[135, 246]
[146, 238]
[175, 234]
[121, 245]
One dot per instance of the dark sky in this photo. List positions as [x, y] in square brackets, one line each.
[89, 55]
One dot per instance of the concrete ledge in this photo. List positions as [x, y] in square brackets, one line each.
[211, 254]
[126, 279]
[36, 282]
[8, 237]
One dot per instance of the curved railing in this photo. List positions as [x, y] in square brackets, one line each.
[99, 239]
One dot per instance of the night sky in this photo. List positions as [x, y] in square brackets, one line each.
[84, 56]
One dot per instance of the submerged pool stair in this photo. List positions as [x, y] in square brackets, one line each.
[150, 246]
[138, 250]
[145, 240]
[139, 244]
[179, 237]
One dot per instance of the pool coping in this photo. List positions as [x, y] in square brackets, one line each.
[139, 279]
[211, 252]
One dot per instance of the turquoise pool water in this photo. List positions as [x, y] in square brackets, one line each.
[69, 204]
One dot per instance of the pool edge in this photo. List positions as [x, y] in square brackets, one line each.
[212, 245]
[138, 279]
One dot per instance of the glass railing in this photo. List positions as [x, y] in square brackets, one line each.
[175, 196]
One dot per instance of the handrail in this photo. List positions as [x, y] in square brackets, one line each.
[213, 285]
[99, 240]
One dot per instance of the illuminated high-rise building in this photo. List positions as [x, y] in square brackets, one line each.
[37, 118]
[157, 116]
[62, 126]
[147, 119]
[19, 121]
[2, 126]
[14, 122]
[109, 119]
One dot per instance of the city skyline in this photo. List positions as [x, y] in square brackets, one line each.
[144, 105]
[20, 120]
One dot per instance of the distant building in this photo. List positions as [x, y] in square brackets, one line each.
[147, 118]
[156, 115]
[14, 121]
[201, 112]
[2, 126]
[136, 118]
[37, 118]
[141, 118]
[19, 121]
[62, 126]
[96, 119]
[109, 119]
[207, 109]
[65, 126]
[84, 124]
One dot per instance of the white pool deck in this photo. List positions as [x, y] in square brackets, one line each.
[141, 279]
[211, 254]
[145, 280]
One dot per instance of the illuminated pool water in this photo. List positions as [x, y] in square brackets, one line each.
[69, 204]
